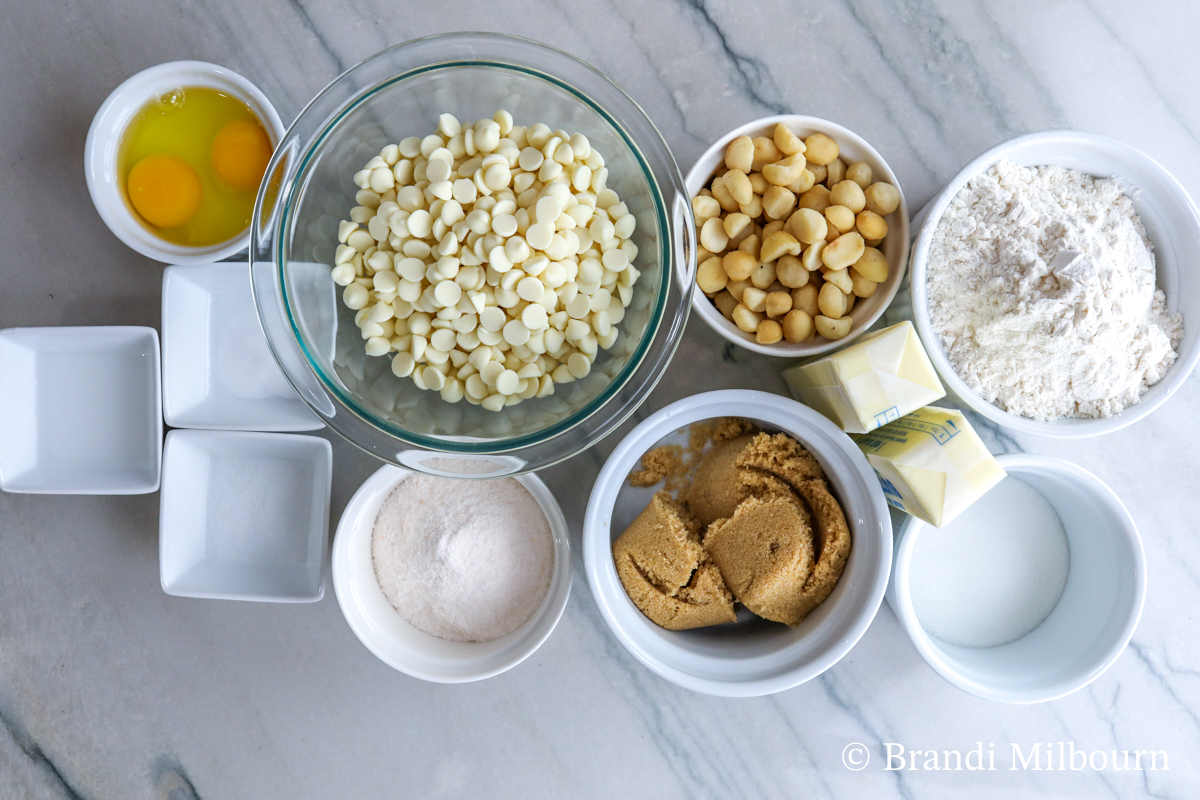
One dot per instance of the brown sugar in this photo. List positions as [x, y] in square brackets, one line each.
[717, 487]
[774, 537]
[660, 464]
[833, 544]
[765, 554]
[666, 571]
[734, 470]
[716, 431]
[783, 456]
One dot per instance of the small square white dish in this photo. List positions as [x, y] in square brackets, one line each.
[244, 516]
[82, 410]
[218, 372]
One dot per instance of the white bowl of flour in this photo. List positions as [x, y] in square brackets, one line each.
[1056, 332]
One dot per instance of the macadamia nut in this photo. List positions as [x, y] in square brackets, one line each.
[872, 265]
[777, 304]
[797, 326]
[808, 226]
[882, 198]
[790, 272]
[833, 328]
[787, 141]
[848, 194]
[710, 276]
[739, 265]
[769, 332]
[843, 251]
[789, 230]
[860, 173]
[820, 149]
[840, 218]
[871, 225]
[740, 154]
[831, 301]
[739, 186]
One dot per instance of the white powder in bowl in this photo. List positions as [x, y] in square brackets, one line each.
[468, 561]
[995, 572]
[1041, 286]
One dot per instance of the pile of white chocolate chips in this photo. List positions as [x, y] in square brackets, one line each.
[491, 259]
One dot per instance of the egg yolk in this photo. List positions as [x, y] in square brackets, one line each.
[165, 190]
[240, 153]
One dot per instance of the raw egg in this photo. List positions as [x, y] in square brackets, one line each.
[240, 153]
[191, 161]
[165, 190]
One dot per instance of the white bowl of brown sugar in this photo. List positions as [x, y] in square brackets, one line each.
[452, 579]
[779, 634]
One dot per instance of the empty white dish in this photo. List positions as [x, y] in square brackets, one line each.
[217, 369]
[1093, 620]
[82, 410]
[244, 516]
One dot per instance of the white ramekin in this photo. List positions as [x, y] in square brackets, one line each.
[1172, 223]
[754, 657]
[895, 246]
[1094, 619]
[399, 644]
[104, 141]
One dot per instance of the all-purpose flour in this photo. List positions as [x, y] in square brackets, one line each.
[1041, 285]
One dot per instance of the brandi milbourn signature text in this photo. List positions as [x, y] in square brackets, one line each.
[1038, 756]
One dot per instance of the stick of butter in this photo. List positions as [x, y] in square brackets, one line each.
[931, 463]
[878, 379]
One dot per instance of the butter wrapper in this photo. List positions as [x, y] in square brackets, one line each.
[876, 380]
[931, 463]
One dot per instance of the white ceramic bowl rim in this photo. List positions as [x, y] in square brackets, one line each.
[850, 609]
[901, 600]
[1085, 146]
[400, 645]
[103, 142]
[698, 176]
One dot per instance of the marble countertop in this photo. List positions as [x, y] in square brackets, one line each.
[110, 689]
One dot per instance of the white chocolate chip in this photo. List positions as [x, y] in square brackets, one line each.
[491, 259]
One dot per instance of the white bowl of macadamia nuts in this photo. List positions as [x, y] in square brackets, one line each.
[803, 235]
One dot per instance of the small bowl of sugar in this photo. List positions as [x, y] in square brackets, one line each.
[452, 579]
[1032, 592]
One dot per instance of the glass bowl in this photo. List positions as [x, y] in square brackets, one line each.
[398, 93]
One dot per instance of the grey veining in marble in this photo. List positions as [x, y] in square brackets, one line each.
[110, 689]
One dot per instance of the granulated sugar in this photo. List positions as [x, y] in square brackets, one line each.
[995, 572]
[468, 561]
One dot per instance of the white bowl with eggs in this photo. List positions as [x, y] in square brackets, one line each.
[750, 657]
[400, 644]
[103, 146]
[1172, 224]
[895, 246]
[1094, 618]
